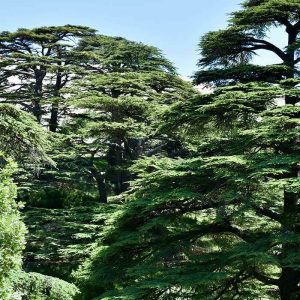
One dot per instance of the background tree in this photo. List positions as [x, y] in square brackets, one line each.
[36, 63]
[117, 54]
[118, 124]
[21, 137]
[111, 118]
[223, 223]
[110, 112]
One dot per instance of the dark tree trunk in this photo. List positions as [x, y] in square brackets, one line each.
[115, 161]
[53, 123]
[117, 158]
[101, 184]
[36, 109]
[38, 93]
[289, 284]
[289, 279]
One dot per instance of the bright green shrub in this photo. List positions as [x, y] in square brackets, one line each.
[35, 286]
[12, 229]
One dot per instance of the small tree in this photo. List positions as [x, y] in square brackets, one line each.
[12, 230]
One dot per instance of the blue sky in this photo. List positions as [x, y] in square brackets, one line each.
[174, 26]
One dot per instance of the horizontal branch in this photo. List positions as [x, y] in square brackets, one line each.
[175, 208]
[265, 45]
[266, 212]
[264, 279]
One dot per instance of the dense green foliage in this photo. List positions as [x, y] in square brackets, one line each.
[136, 185]
[35, 286]
[36, 64]
[103, 97]
[118, 124]
[21, 137]
[222, 224]
[60, 238]
[209, 227]
[12, 230]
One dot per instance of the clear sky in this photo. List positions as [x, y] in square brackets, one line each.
[174, 26]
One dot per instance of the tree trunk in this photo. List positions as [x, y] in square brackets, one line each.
[101, 184]
[115, 160]
[102, 189]
[289, 279]
[36, 109]
[53, 123]
[38, 93]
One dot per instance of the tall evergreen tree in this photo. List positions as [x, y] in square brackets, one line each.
[247, 33]
[36, 63]
[117, 54]
[224, 223]
[114, 111]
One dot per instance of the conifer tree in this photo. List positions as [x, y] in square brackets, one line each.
[36, 63]
[21, 137]
[114, 111]
[224, 223]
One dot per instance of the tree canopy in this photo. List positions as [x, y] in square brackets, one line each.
[141, 186]
[223, 222]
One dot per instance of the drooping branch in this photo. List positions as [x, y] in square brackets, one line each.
[221, 227]
[265, 45]
[284, 21]
[266, 212]
[264, 279]
[174, 209]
